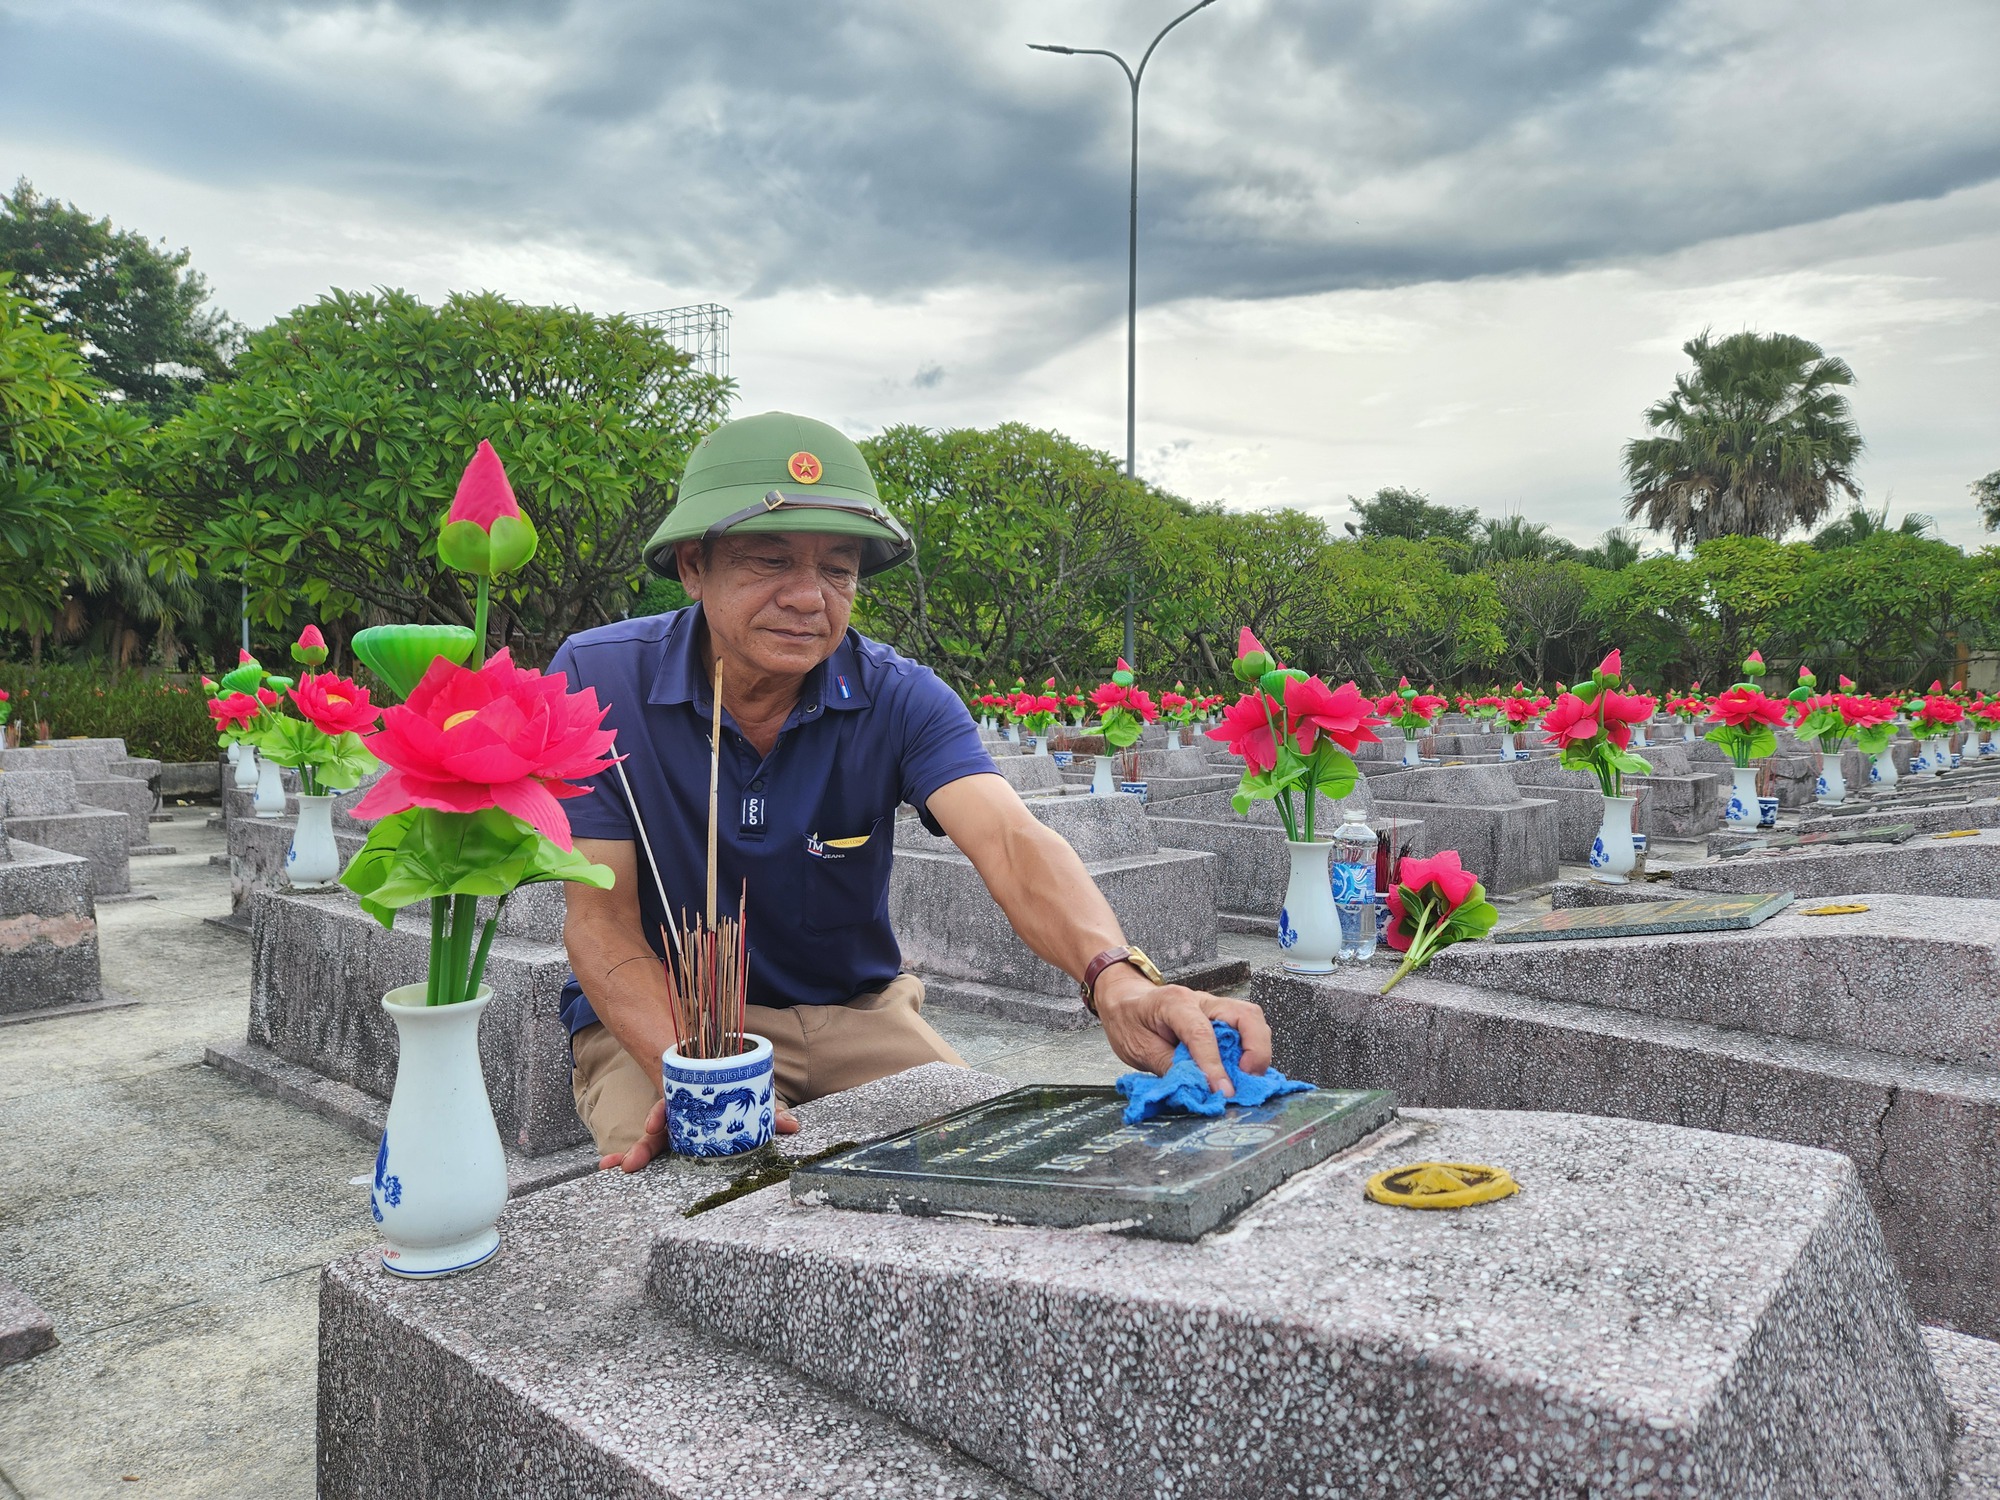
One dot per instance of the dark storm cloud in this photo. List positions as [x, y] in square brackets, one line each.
[888, 147]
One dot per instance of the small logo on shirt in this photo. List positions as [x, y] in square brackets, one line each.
[841, 683]
[820, 848]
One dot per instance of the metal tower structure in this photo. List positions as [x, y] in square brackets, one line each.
[701, 329]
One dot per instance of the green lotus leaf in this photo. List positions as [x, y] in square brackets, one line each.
[401, 654]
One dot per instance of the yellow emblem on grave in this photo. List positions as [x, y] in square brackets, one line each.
[1441, 1184]
[1958, 833]
[1834, 911]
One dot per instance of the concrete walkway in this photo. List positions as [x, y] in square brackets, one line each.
[173, 1221]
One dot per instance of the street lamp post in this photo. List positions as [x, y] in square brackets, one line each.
[1133, 76]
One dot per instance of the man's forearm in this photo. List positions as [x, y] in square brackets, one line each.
[624, 983]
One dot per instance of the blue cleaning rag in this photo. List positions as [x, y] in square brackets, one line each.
[1182, 1090]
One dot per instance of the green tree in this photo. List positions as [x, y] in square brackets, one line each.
[1860, 523]
[1987, 493]
[1218, 571]
[1398, 512]
[1023, 543]
[1547, 613]
[320, 473]
[61, 507]
[1394, 607]
[1890, 608]
[139, 312]
[1755, 440]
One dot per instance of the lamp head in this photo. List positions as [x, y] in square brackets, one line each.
[1065, 51]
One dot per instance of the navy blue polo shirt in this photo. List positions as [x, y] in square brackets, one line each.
[871, 730]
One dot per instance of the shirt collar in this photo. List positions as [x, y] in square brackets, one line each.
[835, 684]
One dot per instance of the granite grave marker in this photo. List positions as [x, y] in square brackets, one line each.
[1731, 913]
[1062, 1155]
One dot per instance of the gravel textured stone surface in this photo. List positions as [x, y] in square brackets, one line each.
[1915, 1129]
[548, 1373]
[1659, 1312]
[1928, 865]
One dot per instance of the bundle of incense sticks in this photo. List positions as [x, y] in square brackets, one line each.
[708, 973]
[708, 968]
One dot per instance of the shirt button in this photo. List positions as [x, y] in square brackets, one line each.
[813, 708]
[757, 786]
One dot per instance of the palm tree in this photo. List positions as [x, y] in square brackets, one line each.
[1517, 539]
[1615, 551]
[1754, 441]
[1860, 523]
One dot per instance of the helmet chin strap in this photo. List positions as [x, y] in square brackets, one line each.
[778, 500]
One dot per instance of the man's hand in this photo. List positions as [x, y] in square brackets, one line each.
[1144, 1022]
[654, 1142]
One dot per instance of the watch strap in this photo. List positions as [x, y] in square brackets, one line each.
[1103, 961]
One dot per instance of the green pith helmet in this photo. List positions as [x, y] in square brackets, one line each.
[778, 472]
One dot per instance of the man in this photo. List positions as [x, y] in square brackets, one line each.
[824, 734]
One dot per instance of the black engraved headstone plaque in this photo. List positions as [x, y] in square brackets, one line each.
[1895, 833]
[1061, 1154]
[1648, 918]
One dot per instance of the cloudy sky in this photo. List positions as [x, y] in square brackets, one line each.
[1450, 244]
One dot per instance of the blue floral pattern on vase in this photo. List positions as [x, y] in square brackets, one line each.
[1598, 858]
[1736, 812]
[722, 1112]
[1819, 787]
[1288, 935]
[386, 1189]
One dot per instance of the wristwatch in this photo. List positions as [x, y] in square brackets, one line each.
[1105, 960]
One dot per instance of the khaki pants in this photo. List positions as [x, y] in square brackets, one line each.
[816, 1049]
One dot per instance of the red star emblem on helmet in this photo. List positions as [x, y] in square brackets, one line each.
[805, 468]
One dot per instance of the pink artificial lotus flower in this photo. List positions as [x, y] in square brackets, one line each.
[483, 495]
[501, 736]
[1246, 730]
[1609, 669]
[1618, 712]
[1343, 714]
[232, 710]
[1570, 721]
[1862, 712]
[334, 705]
[310, 648]
[1742, 706]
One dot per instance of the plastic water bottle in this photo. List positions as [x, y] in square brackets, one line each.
[1354, 886]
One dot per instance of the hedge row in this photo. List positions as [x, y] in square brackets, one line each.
[157, 719]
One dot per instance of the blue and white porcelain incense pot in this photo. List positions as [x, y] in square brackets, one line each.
[720, 1106]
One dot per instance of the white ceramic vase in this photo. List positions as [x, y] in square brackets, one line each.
[1883, 772]
[1922, 768]
[1687, 732]
[440, 1176]
[1832, 780]
[235, 752]
[720, 1106]
[313, 861]
[1039, 744]
[1101, 782]
[246, 767]
[1638, 736]
[1507, 750]
[1308, 925]
[1612, 853]
[1013, 734]
[1743, 812]
[270, 799]
[1174, 738]
[1410, 756]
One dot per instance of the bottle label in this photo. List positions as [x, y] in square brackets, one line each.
[1353, 884]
